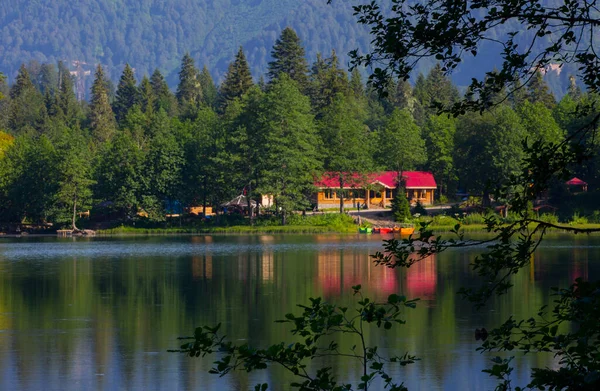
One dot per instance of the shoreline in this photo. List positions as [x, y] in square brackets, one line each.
[250, 230]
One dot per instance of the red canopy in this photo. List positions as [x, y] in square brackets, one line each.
[576, 182]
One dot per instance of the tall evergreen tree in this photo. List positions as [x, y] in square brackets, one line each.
[345, 140]
[164, 98]
[48, 79]
[26, 104]
[22, 84]
[127, 94]
[401, 146]
[439, 134]
[289, 57]
[327, 81]
[102, 118]
[68, 109]
[209, 89]
[356, 84]
[539, 91]
[189, 90]
[238, 79]
[288, 146]
[147, 96]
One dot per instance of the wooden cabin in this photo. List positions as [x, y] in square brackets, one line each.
[374, 190]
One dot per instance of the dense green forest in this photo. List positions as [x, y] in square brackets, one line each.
[148, 148]
[152, 34]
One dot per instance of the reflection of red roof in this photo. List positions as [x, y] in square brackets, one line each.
[414, 180]
[576, 182]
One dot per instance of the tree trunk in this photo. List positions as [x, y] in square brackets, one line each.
[74, 215]
[283, 218]
[341, 194]
[204, 199]
[249, 200]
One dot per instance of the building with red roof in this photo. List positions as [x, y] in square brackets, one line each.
[576, 185]
[373, 189]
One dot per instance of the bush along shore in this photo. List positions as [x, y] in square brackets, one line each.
[317, 223]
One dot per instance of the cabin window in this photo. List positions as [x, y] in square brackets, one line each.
[329, 194]
[358, 193]
[388, 193]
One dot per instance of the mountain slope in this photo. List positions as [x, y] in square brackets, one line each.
[151, 34]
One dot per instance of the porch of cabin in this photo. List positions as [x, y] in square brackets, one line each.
[355, 198]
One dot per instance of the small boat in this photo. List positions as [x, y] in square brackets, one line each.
[407, 230]
[397, 229]
[365, 230]
[376, 230]
[386, 230]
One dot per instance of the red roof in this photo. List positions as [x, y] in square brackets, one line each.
[576, 182]
[413, 179]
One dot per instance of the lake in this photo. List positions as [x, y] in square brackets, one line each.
[100, 313]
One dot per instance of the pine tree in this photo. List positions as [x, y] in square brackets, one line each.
[356, 84]
[238, 80]
[538, 91]
[127, 94]
[147, 96]
[189, 90]
[209, 89]
[164, 98]
[102, 118]
[289, 57]
[22, 83]
[327, 80]
[400, 206]
[48, 78]
[68, 107]
[26, 103]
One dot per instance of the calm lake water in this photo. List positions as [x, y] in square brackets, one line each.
[100, 314]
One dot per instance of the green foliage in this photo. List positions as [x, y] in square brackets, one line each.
[400, 206]
[287, 141]
[438, 30]
[189, 89]
[420, 209]
[238, 80]
[289, 57]
[314, 328]
[128, 94]
[575, 348]
[439, 134]
[400, 145]
[102, 118]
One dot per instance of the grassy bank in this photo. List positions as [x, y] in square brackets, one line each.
[327, 223]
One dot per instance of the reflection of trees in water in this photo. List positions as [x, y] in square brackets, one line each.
[117, 316]
[578, 267]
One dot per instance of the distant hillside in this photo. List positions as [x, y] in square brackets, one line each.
[151, 34]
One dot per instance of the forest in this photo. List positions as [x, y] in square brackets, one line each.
[139, 151]
[150, 34]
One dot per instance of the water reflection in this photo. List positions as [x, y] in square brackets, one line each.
[100, 314]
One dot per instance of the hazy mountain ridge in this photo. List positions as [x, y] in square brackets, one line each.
[151, 34]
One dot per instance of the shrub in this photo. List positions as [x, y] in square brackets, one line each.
[400, 206]
[474, 218]
[420, 209]
[549, 218]
[595, 217]
[576, 219]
